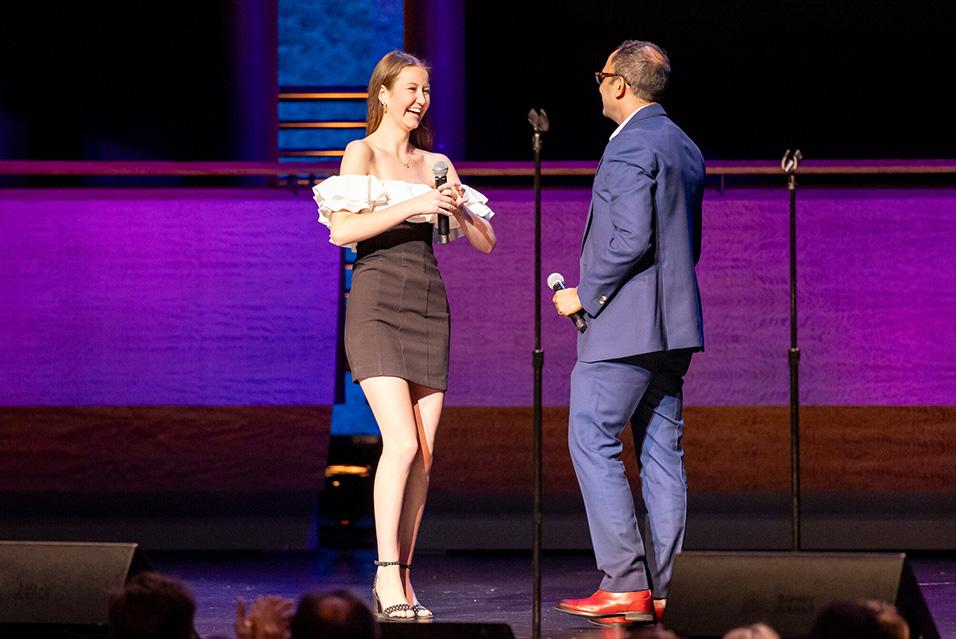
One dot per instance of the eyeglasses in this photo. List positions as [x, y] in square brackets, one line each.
[600, 75]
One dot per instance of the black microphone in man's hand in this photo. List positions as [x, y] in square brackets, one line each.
[440, 170]
[556, 283]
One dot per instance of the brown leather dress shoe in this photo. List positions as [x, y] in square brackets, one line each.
[638, 606]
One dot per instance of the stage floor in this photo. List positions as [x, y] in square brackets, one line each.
[459, 587]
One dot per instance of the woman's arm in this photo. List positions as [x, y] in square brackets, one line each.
[347, 227]
[476, 229]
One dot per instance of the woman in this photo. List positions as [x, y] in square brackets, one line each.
[383, 205]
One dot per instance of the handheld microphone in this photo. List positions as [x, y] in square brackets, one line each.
[440, 170]
[556, 283]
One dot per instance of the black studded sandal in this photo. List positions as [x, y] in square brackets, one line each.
[388, 613]
[421, 612]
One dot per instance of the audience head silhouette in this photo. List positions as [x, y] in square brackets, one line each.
[334, 615]
[755, 631]
[859, 620]
[152, 606]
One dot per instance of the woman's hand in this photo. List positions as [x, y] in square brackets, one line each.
[442, 201]
[458, 193]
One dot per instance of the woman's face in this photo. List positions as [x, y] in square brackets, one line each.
[409, 97]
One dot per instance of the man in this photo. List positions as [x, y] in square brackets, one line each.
[639, 293]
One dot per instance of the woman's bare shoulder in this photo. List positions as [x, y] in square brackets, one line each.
[433, 157]
[357, 159]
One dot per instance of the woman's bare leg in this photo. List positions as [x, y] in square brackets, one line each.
[391, 403]
[427, 404]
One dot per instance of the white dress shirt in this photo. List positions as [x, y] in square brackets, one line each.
[626, 120]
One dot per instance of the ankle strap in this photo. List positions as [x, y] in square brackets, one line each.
[391, 563]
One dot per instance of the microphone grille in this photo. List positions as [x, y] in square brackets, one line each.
[554, 279]
[440, 168]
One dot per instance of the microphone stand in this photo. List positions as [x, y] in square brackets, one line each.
[539, 122]
[789, 165]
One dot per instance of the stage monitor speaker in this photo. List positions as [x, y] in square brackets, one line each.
[46, 585]
[442, 630]
[712, 592]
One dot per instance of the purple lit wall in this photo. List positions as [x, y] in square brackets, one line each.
[223, 297]
[172, 297]
[877, 301]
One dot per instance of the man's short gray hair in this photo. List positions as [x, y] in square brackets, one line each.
[645, 68]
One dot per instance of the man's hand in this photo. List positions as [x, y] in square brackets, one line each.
[566, 301]
[268, 618]
[243, 624]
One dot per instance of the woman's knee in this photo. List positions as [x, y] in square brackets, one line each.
[403, 450]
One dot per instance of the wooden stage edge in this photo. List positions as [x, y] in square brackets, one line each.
[480, 450]
[731, 449]
[241, 478]
[143, 449]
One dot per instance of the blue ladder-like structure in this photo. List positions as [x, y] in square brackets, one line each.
[315, 124]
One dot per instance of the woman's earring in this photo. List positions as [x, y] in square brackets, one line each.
[384, 107]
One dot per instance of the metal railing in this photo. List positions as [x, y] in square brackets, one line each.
[490, 169]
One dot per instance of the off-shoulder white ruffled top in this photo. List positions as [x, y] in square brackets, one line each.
[356, 193]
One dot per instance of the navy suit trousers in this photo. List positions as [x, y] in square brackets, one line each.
[605, 395]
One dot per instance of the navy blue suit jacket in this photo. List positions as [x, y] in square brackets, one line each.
[642, 242]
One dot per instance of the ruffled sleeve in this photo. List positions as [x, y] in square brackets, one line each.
[354, 193]
[476, 204]
[357, 193]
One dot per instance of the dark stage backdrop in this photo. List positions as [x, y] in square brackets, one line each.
[837, 78]
[171, 80]
[196, 81]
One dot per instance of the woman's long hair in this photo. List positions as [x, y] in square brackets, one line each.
[384, 75]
